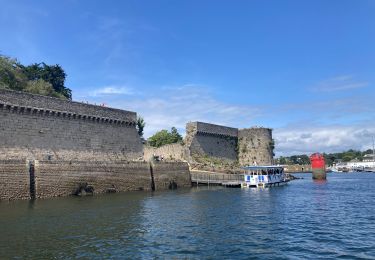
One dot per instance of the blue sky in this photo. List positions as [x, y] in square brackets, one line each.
[303, 68]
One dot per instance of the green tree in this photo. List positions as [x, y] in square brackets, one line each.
[36, 78]
[53, 74]
[140, 125]
[11, 75]
[282, 160]
[347, 158]
[164, 137]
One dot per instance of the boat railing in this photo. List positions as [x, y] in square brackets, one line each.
[219, 178]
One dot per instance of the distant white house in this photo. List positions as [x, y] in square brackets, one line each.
[368, 162]
[368, 158]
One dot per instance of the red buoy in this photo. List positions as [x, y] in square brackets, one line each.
[318, 166]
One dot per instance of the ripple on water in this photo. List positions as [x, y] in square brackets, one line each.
[303, 220]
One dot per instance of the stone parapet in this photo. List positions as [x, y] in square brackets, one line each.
[212, 129]
[45, 104]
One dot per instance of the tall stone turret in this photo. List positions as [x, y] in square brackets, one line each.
[255, 146]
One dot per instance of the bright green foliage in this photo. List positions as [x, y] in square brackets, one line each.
[11, 75]
[164, 137]
[39, 79]
[42, 87]
[140, 125]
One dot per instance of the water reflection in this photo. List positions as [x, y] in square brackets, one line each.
[305, 219]
[71, 227]
[320, 182]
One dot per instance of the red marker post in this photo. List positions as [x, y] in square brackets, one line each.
[318, 166]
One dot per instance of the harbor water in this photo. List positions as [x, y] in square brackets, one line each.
[306, 219]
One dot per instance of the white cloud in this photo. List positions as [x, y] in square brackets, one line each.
[340, 83]
[322, 130]
[175, 106]
[334, 138]
[112, 90]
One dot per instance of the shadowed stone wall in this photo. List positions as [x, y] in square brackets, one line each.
[211, 140]
[165, 173]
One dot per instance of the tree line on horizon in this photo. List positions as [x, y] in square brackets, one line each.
[330, 158]
[37, 78]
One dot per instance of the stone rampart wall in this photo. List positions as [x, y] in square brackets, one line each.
[167, 172]
[23, 127]
[255, 146]
[38, 102]
[170, 152]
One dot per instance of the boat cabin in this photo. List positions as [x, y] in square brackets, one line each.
[263, 175]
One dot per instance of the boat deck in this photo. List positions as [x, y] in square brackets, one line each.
[213, 178]
[222, 179]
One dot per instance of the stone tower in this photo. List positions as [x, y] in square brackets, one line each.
[255, 146]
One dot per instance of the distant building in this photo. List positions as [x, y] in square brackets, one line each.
[368, 158]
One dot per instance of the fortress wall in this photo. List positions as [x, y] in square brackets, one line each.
[63, 132]
[170, 152]
[166, 172]
[208, 140]
[73, 144]
[255, 146]
[22, 99]
[14, 180]
[15, 153]
[62, 178]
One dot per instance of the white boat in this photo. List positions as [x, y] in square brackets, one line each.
[264, 176]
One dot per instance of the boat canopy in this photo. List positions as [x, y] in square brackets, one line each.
[268, 167]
